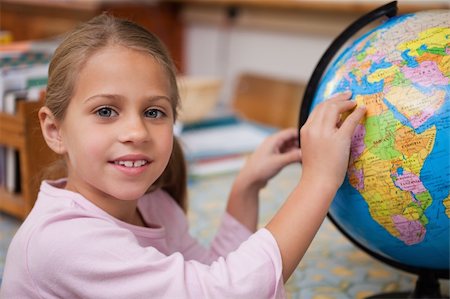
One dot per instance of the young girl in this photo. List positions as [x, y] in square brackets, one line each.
[115, 227]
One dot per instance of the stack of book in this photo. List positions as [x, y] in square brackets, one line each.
[220, 145]
[23, 76]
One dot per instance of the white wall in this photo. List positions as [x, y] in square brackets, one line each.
[282, 44]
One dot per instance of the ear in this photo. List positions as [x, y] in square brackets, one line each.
[50, 127]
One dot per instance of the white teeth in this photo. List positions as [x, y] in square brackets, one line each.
[137, 163]
[140, 163]
[127, 163]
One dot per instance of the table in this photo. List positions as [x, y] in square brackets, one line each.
[333, 268]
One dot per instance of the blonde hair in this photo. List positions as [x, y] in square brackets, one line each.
[90, 37]
[174, 178]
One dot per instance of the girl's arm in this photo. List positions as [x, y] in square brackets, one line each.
[325, 141]
[276, 152]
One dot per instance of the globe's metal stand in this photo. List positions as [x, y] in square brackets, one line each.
[427, 284]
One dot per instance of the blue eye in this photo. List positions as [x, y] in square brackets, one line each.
[154, 113]
[106, 112]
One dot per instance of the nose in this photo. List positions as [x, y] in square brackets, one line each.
[134, 130]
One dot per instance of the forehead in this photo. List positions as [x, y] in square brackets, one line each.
[118, 56]
[119, 69]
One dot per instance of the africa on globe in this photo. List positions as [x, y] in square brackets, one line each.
[395, 199]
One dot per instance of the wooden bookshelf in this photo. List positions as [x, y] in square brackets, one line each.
[22, 132]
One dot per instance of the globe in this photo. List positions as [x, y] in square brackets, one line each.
[395, 200]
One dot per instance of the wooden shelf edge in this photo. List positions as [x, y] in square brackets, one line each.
[12, 204]
[10, 123]
[322, 5]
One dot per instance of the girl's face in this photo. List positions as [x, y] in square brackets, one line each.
[117, 131]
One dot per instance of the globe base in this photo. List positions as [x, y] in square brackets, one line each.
[397, 295]
[402, 295]
[427, 287]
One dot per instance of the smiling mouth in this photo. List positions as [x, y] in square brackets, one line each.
[132, 164]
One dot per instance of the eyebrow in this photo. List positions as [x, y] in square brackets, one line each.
[116, 97]
[103, 95]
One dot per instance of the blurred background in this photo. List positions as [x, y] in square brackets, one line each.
[240, 62]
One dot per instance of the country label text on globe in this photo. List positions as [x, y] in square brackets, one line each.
[396, 199]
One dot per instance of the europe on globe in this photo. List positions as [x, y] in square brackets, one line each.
[395, 200]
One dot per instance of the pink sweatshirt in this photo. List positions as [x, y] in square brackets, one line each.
[70, 248]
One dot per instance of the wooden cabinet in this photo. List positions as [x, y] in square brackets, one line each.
[22, 132]
[31, 19]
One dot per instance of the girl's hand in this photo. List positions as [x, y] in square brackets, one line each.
[276, 152]
[326, 138]
[270, 157]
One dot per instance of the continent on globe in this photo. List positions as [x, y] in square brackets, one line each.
[385, 164]
[446, 203]
[395, 200]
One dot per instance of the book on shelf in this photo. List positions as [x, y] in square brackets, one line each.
[11, 171]
[23, 76]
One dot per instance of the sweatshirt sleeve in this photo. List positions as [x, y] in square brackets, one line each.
[103, 261]
[230, 234]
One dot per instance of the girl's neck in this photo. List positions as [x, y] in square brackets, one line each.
[124, 210]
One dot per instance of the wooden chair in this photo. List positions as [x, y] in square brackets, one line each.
[268, 100]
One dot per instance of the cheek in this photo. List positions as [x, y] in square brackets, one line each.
[85, 147]
[94, 148]
[165, 143]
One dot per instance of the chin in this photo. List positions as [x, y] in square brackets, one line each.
[128, 190]
[128, 194]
